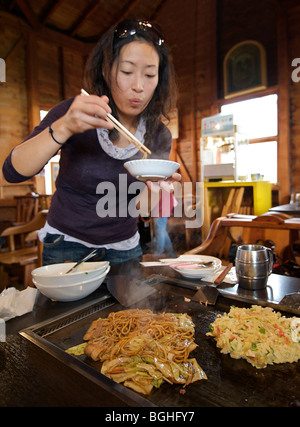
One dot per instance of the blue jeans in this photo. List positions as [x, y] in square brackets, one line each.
[162, 242]
[57, 250]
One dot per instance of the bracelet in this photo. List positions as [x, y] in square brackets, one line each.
[51, 133]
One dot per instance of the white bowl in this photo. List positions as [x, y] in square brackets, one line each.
[71, 292]
[181, 266]
[151, 169]
[55, 273]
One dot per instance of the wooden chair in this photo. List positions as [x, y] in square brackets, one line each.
[27, 207]
[281, 229]
[28, 256]
[44, 201]
[233, 204]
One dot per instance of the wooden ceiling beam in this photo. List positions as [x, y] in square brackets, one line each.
[49, 10]
[65, 40]
[28, 13]
[11, 6]
[129, 6]
[157, 11]
[15, 50]
[90, 9]
[52, 36]
[127, 9]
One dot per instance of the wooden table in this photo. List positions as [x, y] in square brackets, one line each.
[31, 376]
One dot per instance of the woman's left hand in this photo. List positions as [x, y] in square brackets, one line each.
[149, 198]
[166, 185]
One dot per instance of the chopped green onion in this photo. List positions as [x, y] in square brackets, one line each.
[254, 346]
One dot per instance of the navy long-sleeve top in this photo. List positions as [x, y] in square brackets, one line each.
[85, 205]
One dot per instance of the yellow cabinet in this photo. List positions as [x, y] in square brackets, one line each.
[257, 198]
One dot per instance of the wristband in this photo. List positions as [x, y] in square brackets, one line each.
[51, 133]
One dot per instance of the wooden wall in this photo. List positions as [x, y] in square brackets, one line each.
[210, 29]
[192, 41]
[13, 94]
[39, 74]
[199, 33]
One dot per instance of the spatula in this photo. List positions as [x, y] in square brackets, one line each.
[208, 294]
[128, 290]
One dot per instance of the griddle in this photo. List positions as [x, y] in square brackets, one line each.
[279, 295]
[128, 290]
[230, 382]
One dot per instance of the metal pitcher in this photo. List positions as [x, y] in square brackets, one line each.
[253, 265]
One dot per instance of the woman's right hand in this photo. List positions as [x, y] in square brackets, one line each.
[85, 113]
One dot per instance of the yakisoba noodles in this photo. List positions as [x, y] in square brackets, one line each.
[142, 349]
[257, 334]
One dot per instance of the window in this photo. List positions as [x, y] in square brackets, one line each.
[257, 119]
[49, 167]
[43, 113]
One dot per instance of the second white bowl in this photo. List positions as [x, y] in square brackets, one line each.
[56, 273]
[71, 292]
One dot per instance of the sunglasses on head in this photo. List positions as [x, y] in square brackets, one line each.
[131, 27]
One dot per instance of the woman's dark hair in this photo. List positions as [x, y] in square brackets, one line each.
[97, 74]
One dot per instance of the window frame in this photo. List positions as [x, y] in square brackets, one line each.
[259, 94]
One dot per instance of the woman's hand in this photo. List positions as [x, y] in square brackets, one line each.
[166, 185]
[85, 113]
[149, 198]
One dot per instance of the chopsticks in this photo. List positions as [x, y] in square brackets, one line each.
[125, 132]
[88, 256]
[128, 135]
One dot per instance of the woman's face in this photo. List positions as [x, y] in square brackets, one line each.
[134, 78]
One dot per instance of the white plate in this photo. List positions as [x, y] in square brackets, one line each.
[195, 273]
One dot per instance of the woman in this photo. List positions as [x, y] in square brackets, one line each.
[128, 74]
